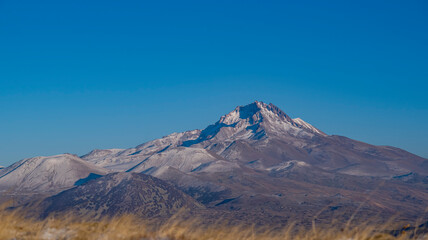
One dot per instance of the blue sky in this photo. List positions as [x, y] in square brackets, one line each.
[80, 75]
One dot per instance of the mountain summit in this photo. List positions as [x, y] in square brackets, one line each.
[269, 116]
[256, 112]
[257, 120]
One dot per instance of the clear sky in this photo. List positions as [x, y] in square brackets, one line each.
[80, 75]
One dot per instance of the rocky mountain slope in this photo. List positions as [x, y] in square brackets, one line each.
[119, 193]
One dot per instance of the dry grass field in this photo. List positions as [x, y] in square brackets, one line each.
[14, 225]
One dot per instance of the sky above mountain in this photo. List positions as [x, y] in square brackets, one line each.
[79, 75]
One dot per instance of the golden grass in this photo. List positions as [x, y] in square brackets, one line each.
[14, 225]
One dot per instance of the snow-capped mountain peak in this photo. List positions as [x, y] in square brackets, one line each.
[250, 111]
[308, 126]
[256, 120]
[255, 113]
[270, 115]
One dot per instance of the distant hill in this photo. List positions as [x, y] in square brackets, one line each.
[46, 174]
[120, 193]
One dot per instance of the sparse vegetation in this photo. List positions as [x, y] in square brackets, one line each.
[13, 225]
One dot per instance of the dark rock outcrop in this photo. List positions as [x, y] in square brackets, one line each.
[117, 194]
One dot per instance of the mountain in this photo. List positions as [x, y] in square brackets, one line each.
[257, 158]
[46, 174]
[261, 136]
[255, 163]
[119, 193]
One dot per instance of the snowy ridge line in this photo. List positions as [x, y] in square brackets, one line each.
[19, 165]
[308, 126]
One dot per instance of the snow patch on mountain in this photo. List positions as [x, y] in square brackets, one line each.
[113, 159]
[100, 153]
[184, 180]
[308, 126]
[125, 159]
[181, 158]
[44, 174]
[288, 165]
[173, 140]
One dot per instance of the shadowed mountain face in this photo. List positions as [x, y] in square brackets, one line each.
[258, 161]
[120, 193]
